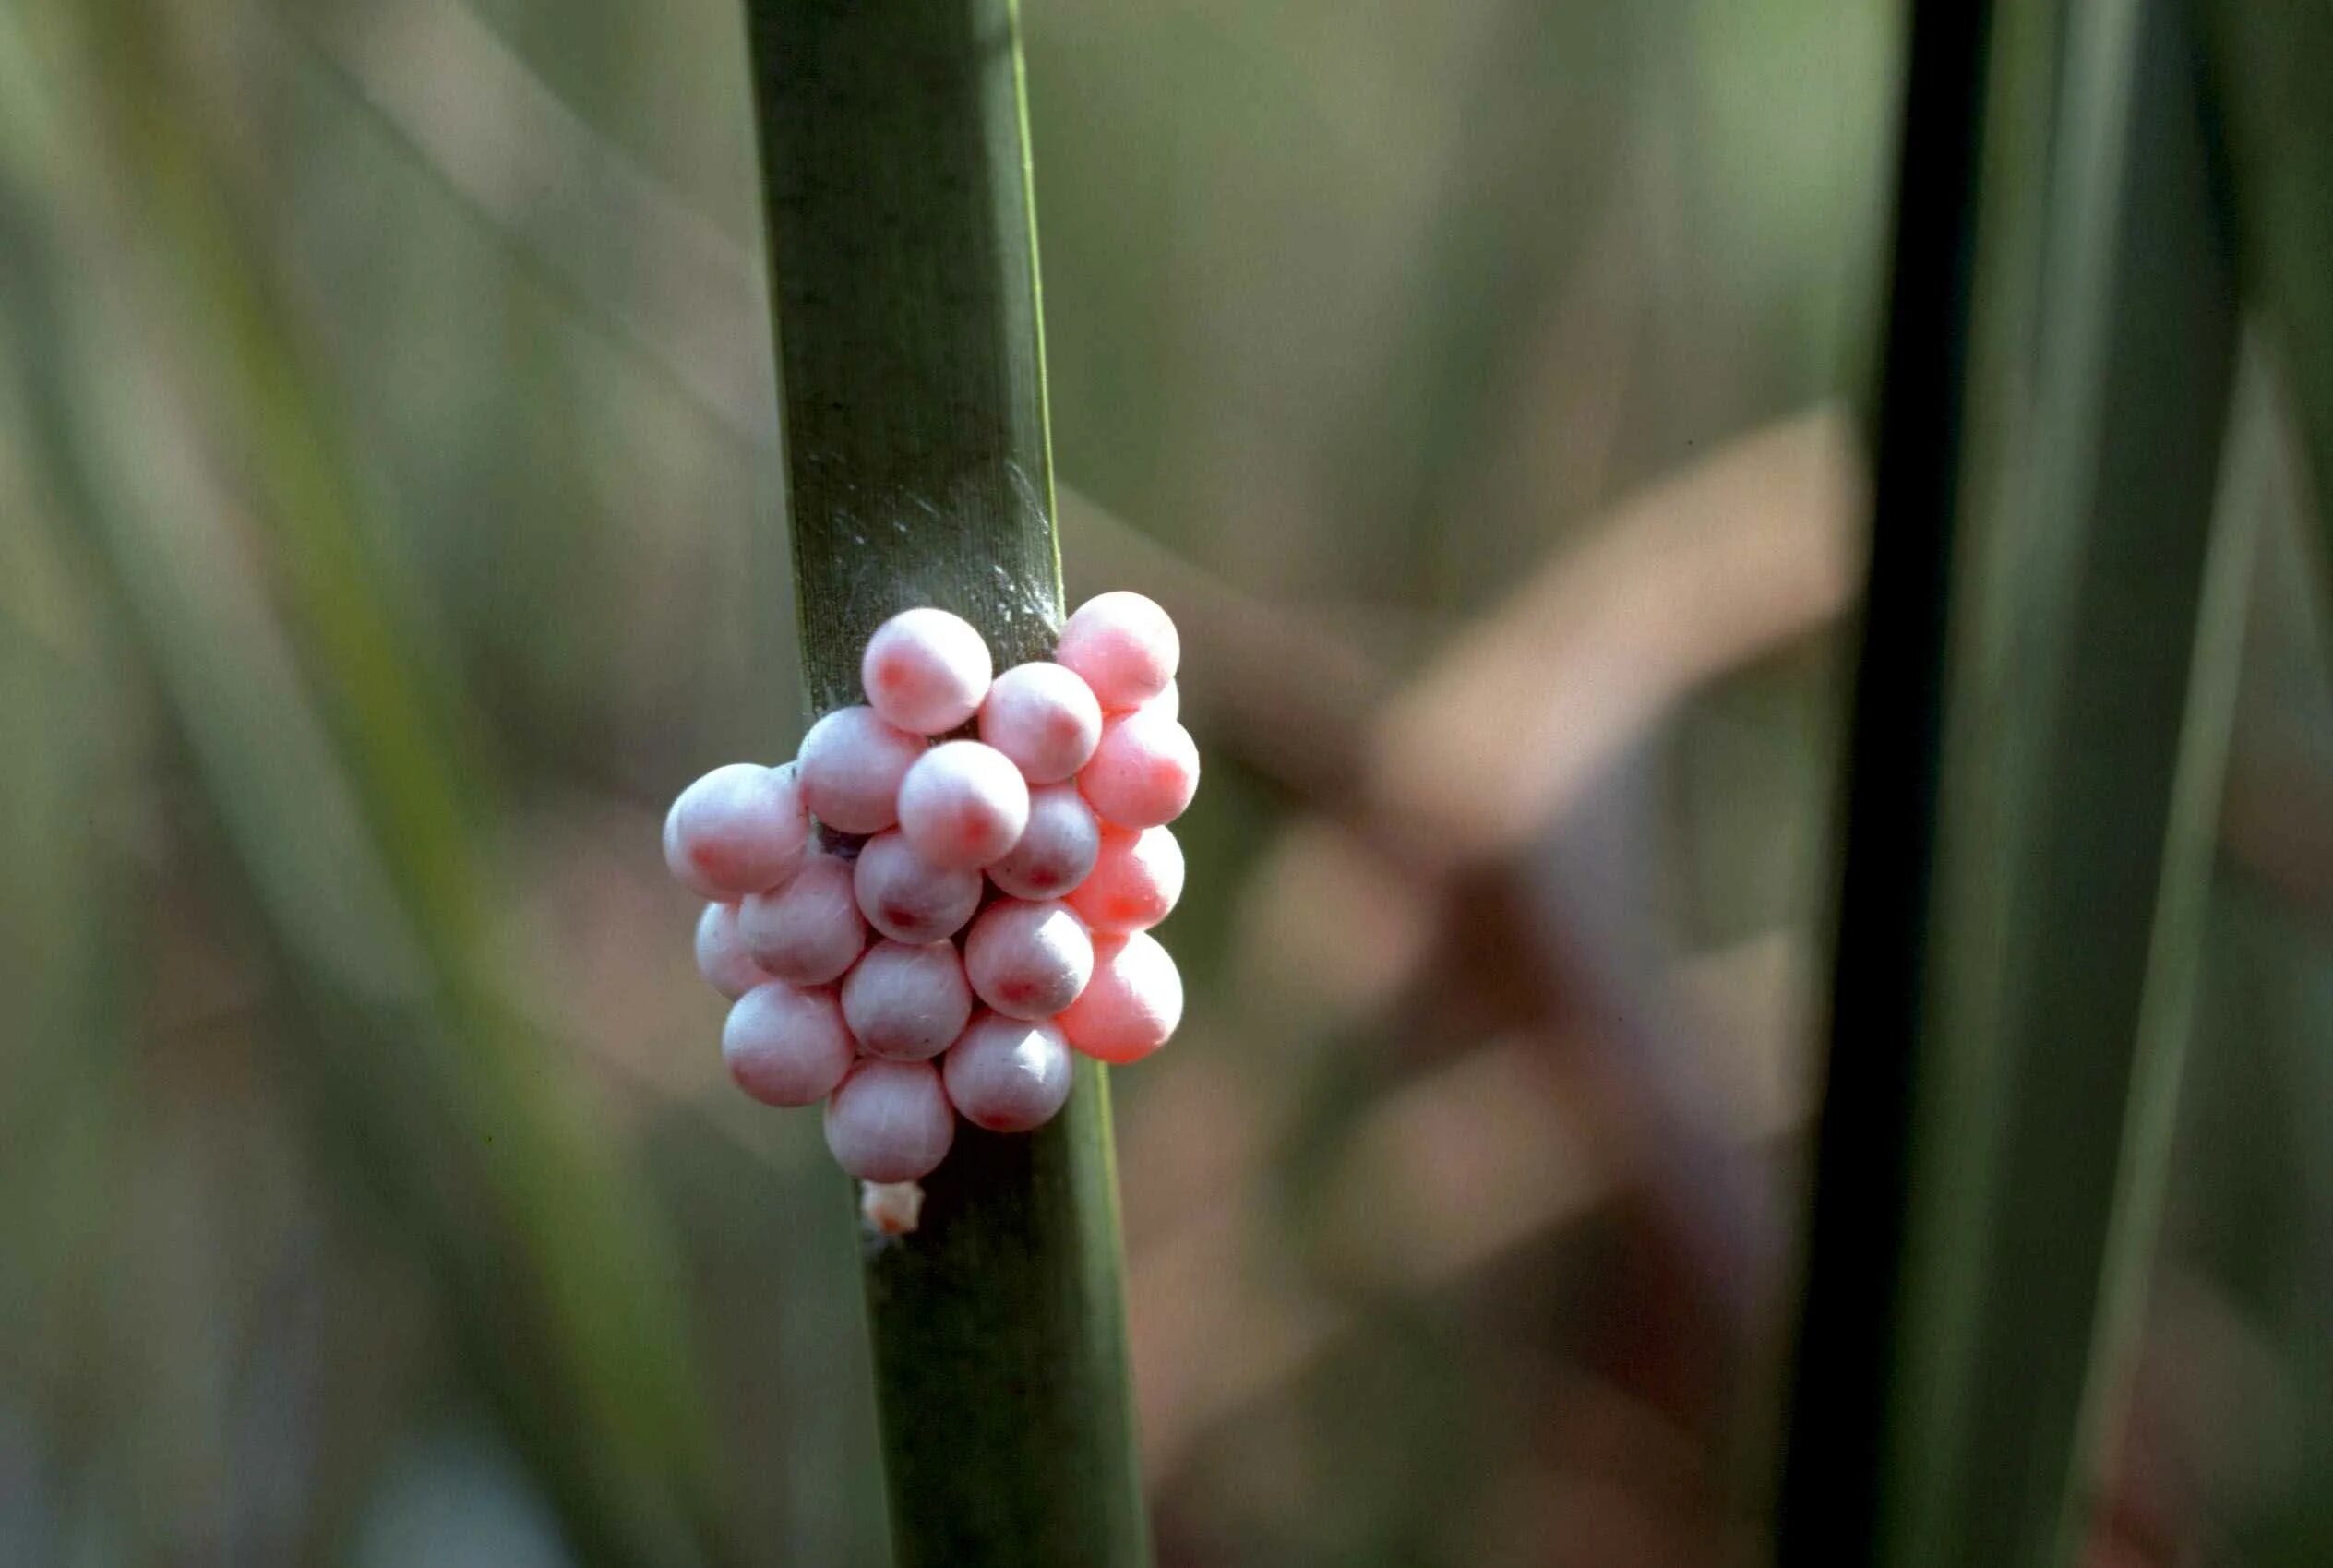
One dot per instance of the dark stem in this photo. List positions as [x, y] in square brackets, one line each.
[1838, 1405]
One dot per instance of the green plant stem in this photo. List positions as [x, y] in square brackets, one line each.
[2037, 1022]
[911, 387]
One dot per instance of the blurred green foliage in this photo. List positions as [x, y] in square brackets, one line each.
[389, 466]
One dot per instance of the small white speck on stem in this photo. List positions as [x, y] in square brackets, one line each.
[891, 1208]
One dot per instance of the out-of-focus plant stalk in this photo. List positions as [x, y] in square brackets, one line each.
[2269, 65]
[2041, 728]
[912, 386]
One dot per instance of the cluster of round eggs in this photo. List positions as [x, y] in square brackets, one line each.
[1010, 882]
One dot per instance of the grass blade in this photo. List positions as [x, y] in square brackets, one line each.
[2269, 65]
[2030, 1032]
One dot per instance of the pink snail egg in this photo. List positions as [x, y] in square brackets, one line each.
[907, 1003]
[786, 1046]
[1028, 959]
[1057, 849]
[908, 898]
[1143, 773]
[1125, 647]
[926, 670]
[890, 1120]
[963, 805]
[738, 829]
[721, 957]
[851, 764]
[1045, 718]
[1130, 1006]
[809, 931]
[1008, 1074]
[1137, 877]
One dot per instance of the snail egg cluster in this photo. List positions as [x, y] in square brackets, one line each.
[969, 911]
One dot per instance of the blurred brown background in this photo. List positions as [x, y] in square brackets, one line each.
[391, 476]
